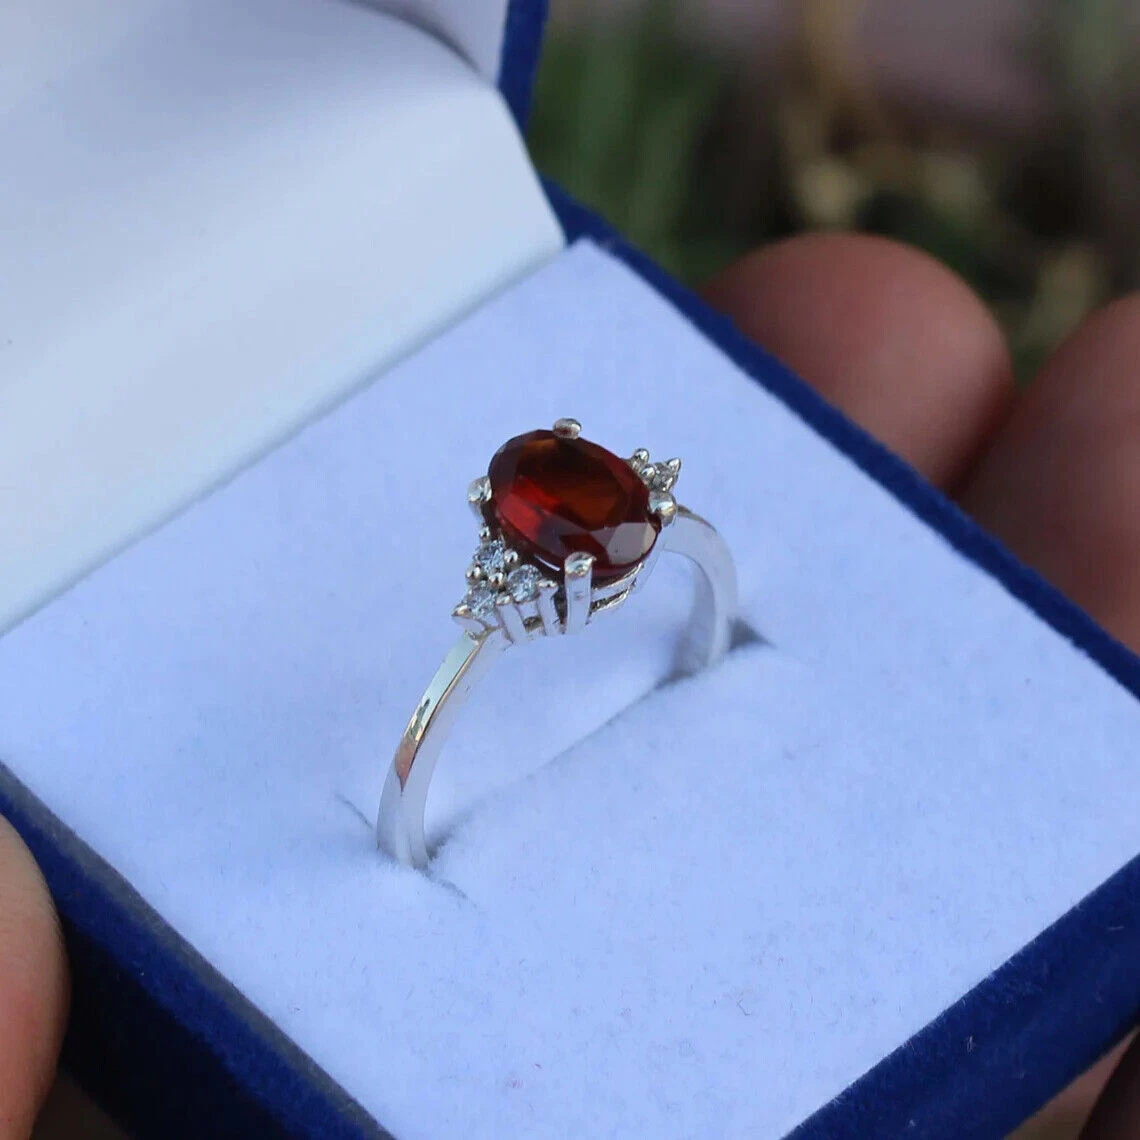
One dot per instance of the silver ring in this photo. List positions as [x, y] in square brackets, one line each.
[568, 531]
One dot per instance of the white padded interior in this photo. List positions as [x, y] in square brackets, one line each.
[215, 219]
[719, 904]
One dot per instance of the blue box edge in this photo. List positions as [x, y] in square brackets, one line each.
[522, 40]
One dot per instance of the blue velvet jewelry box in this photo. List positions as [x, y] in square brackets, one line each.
[874, 877]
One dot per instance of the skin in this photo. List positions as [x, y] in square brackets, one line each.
[901, 345]
[33, 987]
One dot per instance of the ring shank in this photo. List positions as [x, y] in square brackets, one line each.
[400, 821]
[708, 634]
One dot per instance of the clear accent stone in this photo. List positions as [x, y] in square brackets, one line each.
[490, 557]
[661, 476]
[481, 601]
[522, 584]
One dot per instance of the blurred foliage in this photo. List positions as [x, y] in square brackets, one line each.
[697, 157]
[621, 114]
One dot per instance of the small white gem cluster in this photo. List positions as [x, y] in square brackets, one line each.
[497, 572]
[660, 476]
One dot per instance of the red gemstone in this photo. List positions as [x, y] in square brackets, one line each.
[553, 496]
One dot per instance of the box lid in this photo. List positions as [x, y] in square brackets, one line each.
[217, 219]
[500, 38]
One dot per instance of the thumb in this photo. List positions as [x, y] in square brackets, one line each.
[33, 987]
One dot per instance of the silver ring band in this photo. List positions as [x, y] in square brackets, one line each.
[551, 609]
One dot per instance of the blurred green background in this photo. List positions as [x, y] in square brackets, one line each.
[1000, 136]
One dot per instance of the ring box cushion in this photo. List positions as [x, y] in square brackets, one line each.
[787, 866]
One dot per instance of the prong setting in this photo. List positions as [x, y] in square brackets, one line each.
[664, 506]
[479, 495]
[578, 576]
[511, 619]
[512, 594]
[547, 610]
[470, 623]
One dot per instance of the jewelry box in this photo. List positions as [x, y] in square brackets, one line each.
[278, 278]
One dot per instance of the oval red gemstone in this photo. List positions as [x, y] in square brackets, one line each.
[552, 496]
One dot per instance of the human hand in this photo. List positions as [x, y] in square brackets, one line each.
[907, 351]
[33, 988]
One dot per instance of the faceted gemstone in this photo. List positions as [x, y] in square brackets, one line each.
[480, 601]
[552, 496]
[522, 583]
[491, 557]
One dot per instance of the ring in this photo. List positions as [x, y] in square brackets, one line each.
[568, 532]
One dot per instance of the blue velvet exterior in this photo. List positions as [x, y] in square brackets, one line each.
[523, 39]
[1016, 1039]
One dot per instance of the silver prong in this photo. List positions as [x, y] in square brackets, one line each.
[497, 580]
[486, 533]
[469, 622]
[578, 575]
[663, 505]
[510, 558]
[546, 608]
[478, 495]
[510, 618]
[567, 428]
[474, 573]
[639, 459]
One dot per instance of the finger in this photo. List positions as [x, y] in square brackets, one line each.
[1116, 1115]
[1061, 482]
[1061, 485]
[33, 988]
[886, 333]
[1065, 1114]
